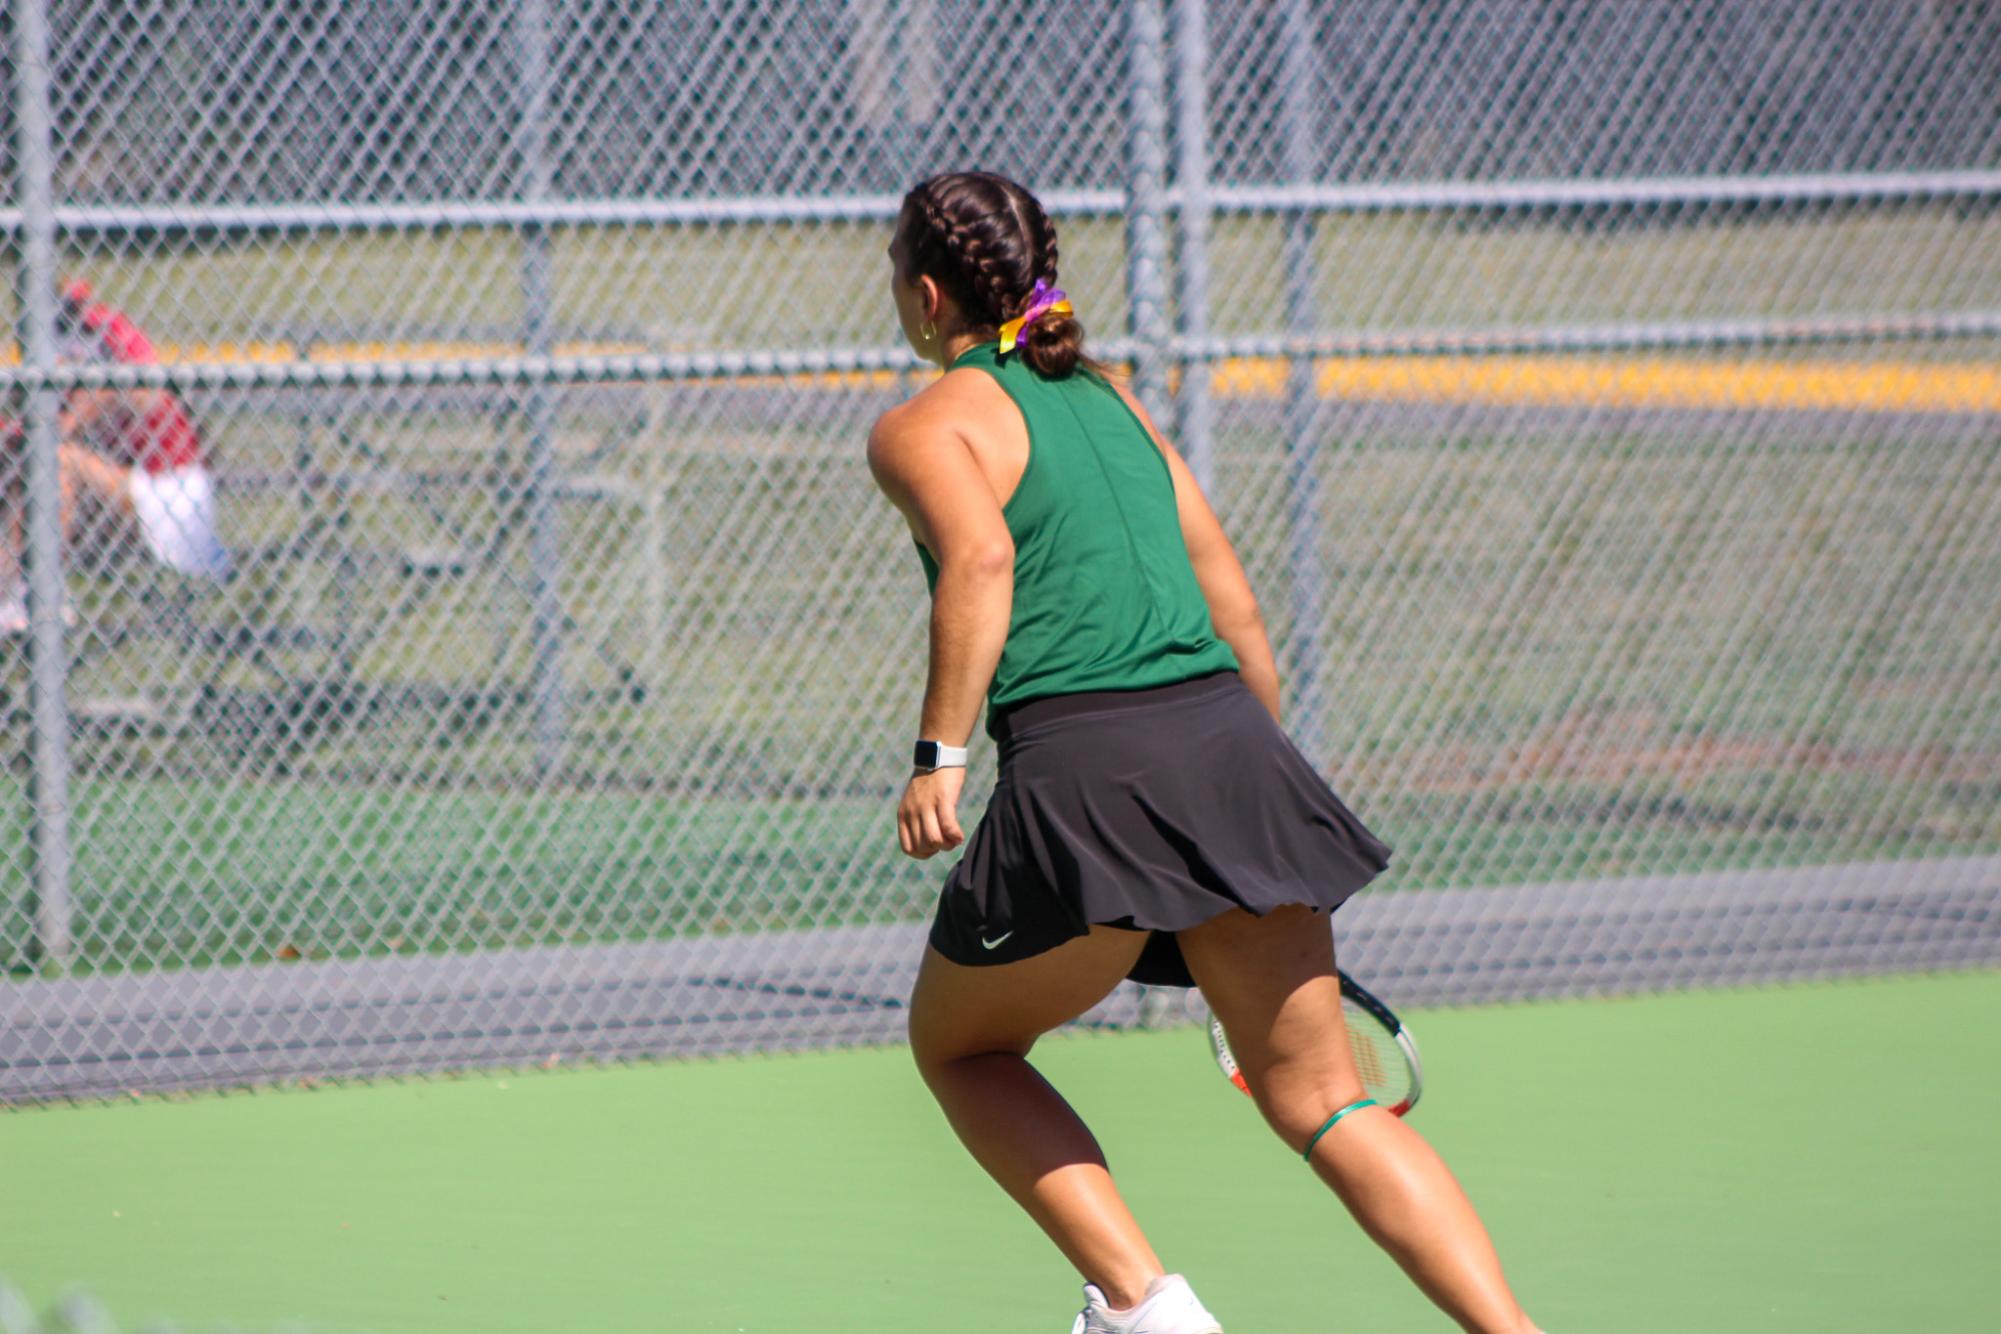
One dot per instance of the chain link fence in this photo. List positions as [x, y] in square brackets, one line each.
[1605, 399]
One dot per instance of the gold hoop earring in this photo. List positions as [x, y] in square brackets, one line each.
[928, 332]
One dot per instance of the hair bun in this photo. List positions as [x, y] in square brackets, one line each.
[1052, 344]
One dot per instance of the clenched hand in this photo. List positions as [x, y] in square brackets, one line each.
[927, 819]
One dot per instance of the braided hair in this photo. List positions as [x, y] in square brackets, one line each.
[987, 242]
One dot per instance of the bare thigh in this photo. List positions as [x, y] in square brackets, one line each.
[959, 1011]
[1271, 980]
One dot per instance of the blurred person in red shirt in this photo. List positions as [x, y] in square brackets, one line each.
[136, 452]
[132, 456]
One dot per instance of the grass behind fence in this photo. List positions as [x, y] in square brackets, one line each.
[823, 284]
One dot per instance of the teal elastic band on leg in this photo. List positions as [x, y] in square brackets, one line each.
[1332, 1121]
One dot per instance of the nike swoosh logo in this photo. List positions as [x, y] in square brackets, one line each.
[995, 943]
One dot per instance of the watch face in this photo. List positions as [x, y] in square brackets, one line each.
[927, 755]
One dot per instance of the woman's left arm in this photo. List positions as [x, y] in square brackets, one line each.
[928, 471]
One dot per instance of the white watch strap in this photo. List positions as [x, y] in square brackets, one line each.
[947, 757]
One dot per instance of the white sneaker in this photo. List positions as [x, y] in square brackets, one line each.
[1169, 1307]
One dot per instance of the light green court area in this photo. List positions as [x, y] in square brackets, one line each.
[1802, 1158]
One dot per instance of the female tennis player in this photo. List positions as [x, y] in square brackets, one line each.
[1151, 820]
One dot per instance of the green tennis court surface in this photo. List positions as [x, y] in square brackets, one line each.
[1804, 1158]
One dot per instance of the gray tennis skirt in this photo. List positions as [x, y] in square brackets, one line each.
[1150, 810]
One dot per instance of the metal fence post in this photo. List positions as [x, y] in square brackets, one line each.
[1302, 517]
[1146, 203]
[539, 502]
[1191, 138]
[1146, 253]
[48, 773]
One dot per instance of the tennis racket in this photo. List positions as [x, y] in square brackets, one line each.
[1385, 1053]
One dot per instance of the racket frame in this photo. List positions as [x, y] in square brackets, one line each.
[1365, 1001]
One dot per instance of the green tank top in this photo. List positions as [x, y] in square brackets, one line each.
[1104, 595]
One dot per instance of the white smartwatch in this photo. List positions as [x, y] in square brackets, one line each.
[937, 755]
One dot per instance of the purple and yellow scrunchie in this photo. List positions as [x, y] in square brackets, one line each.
[1042, 301]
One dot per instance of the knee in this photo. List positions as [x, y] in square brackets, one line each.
[1297, 1108]
[931, 1046]
[924, 1047]
[939, 1049]
[937, 1065]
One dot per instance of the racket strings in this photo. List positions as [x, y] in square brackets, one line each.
[1368, 1061]
[1379, 1061]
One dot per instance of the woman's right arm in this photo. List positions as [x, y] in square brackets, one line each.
[1233, 607]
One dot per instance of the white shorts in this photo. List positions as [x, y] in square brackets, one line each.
[176, 512]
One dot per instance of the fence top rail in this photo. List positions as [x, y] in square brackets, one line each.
[1412, 196]
[583, 368]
